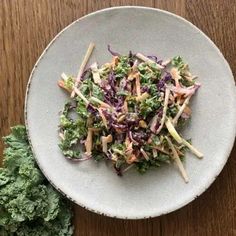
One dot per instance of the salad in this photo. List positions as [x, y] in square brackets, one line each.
[128, 112]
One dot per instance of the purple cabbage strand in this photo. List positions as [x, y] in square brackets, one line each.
[112, 52]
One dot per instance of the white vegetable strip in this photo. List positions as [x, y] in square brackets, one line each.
[178, 161]
[148, 60]
[176, 118]
[61, 135]
[105, 140]
[144, 154]
[83, 64]
[103, 104]
[153, 123]
[173, 131]
[104, 120]
[180, 140]
[154, 152]
[85, 60]
[64, 76]
[95, 73]
[89, 142]
[167, 94]
[125, 107]
[61, 83]
[161, 149]
[192, 148]
[137, 82]
[81, 95]
[166, 62]
[121, 118]
[134, 67]
[176, 76]
[129, 149]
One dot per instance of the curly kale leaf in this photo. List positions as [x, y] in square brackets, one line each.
[123, 67]
[73, 126]
[178, 62]
[28, 203]
[149, 105]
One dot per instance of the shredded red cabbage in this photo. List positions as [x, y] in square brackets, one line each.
[162, 82]
[112, 52]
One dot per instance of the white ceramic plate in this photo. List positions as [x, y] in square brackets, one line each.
[150, 31]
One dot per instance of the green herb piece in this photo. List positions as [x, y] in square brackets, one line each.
[145, 165]
[178, 62]
[81, 109]
[97, 156]
[118, 148]
[163, 158]
[69, 83]
[149, 105]
[122, 93]
[86, 87]
[97, 92]
[172, 111]
[73, 129]
[122, 68]
[148, 72]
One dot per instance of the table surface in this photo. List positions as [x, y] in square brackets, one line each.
[26, 27]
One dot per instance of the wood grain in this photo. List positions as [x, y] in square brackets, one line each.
[27, 26]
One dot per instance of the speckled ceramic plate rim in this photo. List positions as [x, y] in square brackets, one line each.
[231, 141]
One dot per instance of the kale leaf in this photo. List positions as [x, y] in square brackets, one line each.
[29, 206]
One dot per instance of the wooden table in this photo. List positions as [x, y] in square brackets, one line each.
[27, 26]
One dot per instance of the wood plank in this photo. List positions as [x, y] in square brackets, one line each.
[177, 7]
[217, 20]
[147, 3]
[26, 27]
